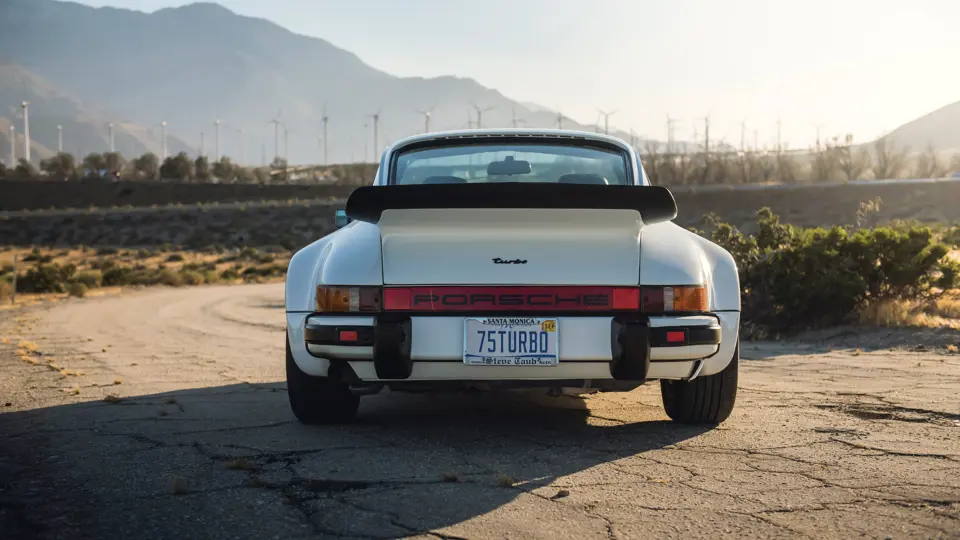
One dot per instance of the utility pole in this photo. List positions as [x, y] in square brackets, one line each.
[559, 120]
[201, 143]
[163, 140]
[26, 129]
[113, 147]
[670, 124]
[216, 140]
[606, 120]
[243, 145]
[743, 135]
[706, 139]
[59, 139]
[779, 146]
[13, 146]
[286, 145]
[756, 140]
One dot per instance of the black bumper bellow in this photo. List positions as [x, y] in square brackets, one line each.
[391, 347]
[630, 344]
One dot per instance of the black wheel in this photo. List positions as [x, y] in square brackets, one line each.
[704, 400]
[318, 400]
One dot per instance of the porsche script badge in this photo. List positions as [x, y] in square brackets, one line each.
[498, 260]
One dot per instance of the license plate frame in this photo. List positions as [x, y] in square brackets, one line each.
[473, 350]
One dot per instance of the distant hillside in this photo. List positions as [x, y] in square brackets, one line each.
[84, 129]
[940, 128]
[194, 64]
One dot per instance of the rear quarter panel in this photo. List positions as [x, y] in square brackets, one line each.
[349, 256]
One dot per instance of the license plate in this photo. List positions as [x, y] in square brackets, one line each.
[510, 341]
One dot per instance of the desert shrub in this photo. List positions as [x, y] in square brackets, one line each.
[169, 277]
[211, 276]
[6, 269]
[229, 274]
[76, 289]
[6, 289]
[951, 236]
[115, 276]
[90, 278]
[192, 277]
[175, 257]
[36, 256]
[46, 278]
[107, 251]
[793, 278]
[144, 253]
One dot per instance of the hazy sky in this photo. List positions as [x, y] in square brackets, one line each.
[857, 66]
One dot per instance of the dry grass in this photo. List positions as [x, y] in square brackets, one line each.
[944, 312]
[505, 480]
[112, 399]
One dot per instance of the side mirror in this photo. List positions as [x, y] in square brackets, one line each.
[341, 220]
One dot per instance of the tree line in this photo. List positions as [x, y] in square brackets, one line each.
[832, 162]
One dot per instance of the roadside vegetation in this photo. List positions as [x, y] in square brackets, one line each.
[898, 274]
[77, 271]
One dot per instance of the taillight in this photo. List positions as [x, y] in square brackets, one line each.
[395, 299]
[668, 299]
[348, 299]
[626, 298]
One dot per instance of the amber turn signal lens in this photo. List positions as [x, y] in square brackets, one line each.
[670, 299]
[348, 299]
[687, 298]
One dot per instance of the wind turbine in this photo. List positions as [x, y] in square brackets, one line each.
[216, 140]
[59, 138]
[163, 139]
[376, 133]
[276, 133]
[426, 117]
[480, 114]
[26, 129]
[325, 119]
[606, 119]
[113, 147]
[513, 118]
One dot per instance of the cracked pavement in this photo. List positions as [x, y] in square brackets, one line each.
[196, 440]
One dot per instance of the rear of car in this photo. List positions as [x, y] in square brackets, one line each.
[506, 261]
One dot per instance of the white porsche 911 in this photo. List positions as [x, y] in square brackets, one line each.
[496, 259]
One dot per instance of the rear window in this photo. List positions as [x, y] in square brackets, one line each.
[514, 162]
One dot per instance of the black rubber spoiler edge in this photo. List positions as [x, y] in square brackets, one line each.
[654, 203]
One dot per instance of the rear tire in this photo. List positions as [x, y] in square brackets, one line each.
[318, 400]
[704, 400]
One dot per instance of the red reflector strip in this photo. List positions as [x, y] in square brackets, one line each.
[676, 337]
[348, 335]
[512, 298]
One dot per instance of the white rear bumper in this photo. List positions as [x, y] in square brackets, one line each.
[584, 345]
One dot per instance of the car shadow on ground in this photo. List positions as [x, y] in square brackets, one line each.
[146, 466]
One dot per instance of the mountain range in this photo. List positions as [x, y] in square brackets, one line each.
[269, 88]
